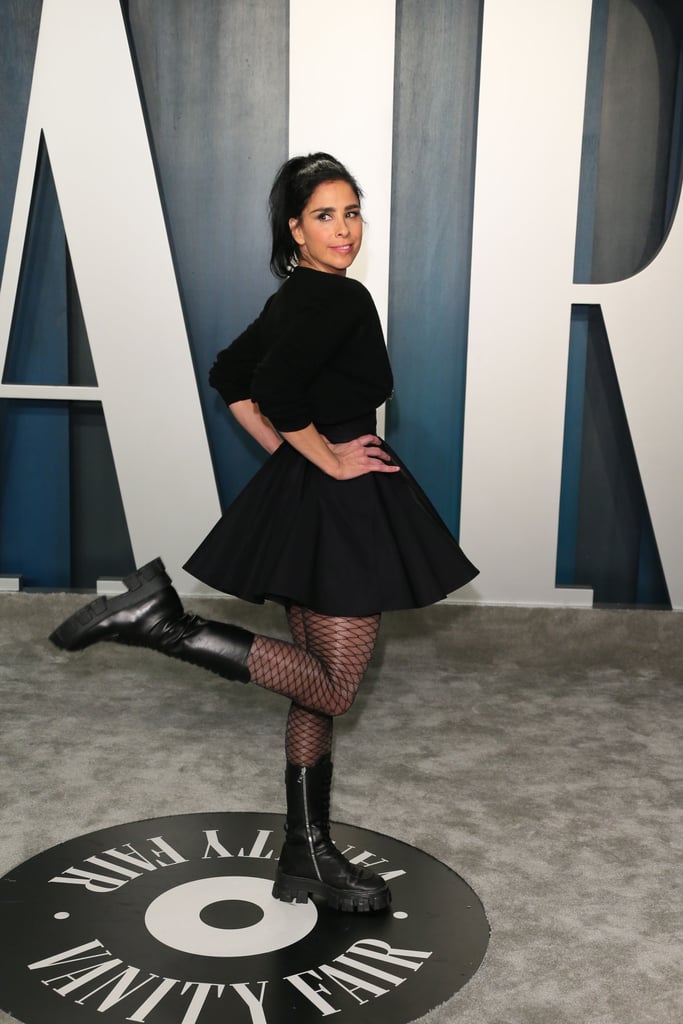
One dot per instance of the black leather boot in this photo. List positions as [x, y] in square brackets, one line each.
[150, 614]
[310, 864]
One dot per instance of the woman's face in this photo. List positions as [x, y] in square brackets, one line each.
[330, 229]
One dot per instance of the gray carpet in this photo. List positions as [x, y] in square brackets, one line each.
[537, 752]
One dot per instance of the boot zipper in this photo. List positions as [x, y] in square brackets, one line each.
[307, 822]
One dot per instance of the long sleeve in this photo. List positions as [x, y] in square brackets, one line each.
[232, 372]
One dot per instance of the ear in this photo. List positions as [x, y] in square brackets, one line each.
[295, 228]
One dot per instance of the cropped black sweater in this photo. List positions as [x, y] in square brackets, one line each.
[315, 354]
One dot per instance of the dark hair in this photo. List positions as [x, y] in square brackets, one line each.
[294, 184]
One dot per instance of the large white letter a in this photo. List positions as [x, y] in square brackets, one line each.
[84, 100]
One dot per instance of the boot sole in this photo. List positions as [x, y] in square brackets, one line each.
[73, 634]
[290, 889]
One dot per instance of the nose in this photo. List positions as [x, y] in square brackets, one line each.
[342, 226]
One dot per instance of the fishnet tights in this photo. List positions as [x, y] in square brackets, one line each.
[320, 672]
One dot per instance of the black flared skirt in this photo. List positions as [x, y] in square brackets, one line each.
[339, 547]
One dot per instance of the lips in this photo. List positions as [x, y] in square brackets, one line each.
[341, 248]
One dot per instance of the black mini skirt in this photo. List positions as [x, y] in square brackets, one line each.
[339, 547]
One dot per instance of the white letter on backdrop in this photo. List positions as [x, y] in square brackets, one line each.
[533, 80]
[84, 99]
[530, 126]
[643, 317]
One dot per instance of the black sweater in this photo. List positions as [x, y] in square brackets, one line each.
[315, 353]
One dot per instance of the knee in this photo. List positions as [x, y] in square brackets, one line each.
[341, 708]
[342, 701]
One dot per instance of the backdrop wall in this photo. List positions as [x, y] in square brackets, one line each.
[522, 166]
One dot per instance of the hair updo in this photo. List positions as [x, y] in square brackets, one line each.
[294, 184]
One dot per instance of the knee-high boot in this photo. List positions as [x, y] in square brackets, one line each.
[310, 863]
[150, 614]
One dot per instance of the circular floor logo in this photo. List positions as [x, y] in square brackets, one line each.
[171, 921]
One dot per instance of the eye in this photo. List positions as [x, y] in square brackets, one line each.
[323, 216]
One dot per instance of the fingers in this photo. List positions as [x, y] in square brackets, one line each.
[383, 467]
[374, 450]
[369, 448]
[362, 455]
[358, 464]
[379, 461]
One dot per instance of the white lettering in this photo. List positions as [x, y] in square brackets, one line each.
[522, 253]
[255, 1005]
[121, 988]
[366, 858]
[389, 876]
[389, 955]
[70, 955]
[259, 845]
[354, 984]
[202, 991]
[313, 994]
[90, 880]
[347, 961]
[84, 99]
[213, 845]
[133, 856]
[166, 848]
[643, 317]
[99, 863]
[82, 976]
[95, 882]
[140, 1015]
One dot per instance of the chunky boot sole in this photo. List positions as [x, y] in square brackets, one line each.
[75, 633]
[290, 889]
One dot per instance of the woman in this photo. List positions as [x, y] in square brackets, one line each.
[332, 526]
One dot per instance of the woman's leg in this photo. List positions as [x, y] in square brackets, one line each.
[323, 675]
[309, 733]
[322, 670]
[331, 656]
[308, 736]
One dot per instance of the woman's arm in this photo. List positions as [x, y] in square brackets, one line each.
[342, 461]
[249, 416]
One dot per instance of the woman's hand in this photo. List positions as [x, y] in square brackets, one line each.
[342, 461]
[360, 456]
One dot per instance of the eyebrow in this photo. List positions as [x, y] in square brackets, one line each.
[331, 209]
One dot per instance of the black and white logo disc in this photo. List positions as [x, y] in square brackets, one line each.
[172, 921]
